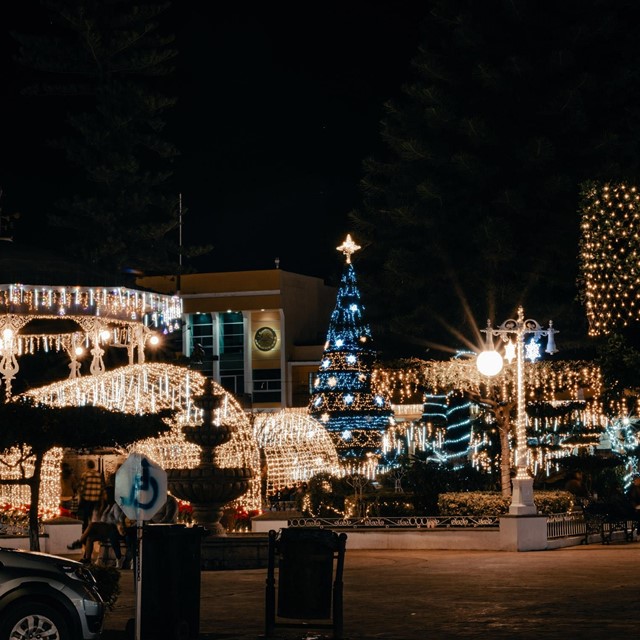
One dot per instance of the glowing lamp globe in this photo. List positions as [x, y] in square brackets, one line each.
[489, 363]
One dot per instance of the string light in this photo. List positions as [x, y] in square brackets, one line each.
[609, 257]
[344, 400]
[555, 384]
[295, 446]
[122, 317]
[118, 303]
[148, 388]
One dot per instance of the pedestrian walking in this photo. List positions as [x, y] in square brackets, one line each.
[90, 493]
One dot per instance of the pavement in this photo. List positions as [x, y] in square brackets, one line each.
[587, 592]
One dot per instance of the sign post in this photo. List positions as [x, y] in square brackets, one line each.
[141, 491]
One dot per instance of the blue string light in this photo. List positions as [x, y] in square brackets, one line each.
[342, 397]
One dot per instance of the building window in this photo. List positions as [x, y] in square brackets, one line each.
[201, 343]
[267, 385]
[231, 346]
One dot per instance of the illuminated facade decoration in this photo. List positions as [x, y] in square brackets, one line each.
[343, 399]
[609, 256]
[295, 448]
[100, 316]
[148, 388]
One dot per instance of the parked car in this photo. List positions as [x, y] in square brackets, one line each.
[45, 596]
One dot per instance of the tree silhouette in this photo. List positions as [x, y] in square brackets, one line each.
[34, 429]
[472, 207]
[108, 64]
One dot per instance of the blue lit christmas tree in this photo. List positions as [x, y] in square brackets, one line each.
[343, 399]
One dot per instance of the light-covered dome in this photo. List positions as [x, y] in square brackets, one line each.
[295, 447]
[150, 387]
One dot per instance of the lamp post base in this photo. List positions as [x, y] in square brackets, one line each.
[522, 503]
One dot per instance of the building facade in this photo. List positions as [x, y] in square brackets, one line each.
[259, 334]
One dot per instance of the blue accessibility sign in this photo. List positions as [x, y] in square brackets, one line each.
[140, 487]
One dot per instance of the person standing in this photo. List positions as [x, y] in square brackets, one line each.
[68, 486]
[104, 530]
[90, 493]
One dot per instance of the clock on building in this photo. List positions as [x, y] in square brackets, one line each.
[265, 338]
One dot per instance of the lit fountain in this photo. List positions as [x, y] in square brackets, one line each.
[208, 487]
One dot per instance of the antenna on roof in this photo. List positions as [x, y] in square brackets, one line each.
[178, 279]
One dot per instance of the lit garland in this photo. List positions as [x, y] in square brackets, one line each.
[295, 446]
[609, 257]
[546, 381]
[343, 398]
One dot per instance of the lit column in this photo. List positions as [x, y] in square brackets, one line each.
[490, 363]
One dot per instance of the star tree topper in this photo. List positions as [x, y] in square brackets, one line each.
[348, 247]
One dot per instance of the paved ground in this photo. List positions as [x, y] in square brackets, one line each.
[589, 592]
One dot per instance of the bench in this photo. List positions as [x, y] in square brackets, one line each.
[107, 557]
[604, 519]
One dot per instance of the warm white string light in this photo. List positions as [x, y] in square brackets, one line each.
[296, 447]
[609, 257]
[148, 388]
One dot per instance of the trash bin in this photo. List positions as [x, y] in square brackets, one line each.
[305, 573]
[170, 589]
[308, 588]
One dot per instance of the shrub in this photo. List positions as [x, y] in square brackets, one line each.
[108, 580]
[475, 503]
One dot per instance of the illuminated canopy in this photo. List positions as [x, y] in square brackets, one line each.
[74, 318]
[296, 447]
[148, 388]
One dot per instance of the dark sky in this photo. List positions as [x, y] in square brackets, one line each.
[279, 103]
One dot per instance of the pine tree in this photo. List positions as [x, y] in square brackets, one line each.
[472, 207]
[343, 399]
[107, 60]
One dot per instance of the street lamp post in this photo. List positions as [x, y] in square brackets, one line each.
[522, 494]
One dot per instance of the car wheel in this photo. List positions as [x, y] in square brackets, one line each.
[34, 620]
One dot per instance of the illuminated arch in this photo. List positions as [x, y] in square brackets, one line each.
[295, 446]
[148, 388]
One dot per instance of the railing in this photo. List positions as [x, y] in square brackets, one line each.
[559, 525]
[407, 522]
[282, 505]
[565, 525]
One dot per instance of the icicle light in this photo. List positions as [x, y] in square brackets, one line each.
[296, 447]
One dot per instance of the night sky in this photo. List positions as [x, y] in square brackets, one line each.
[279, 103]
